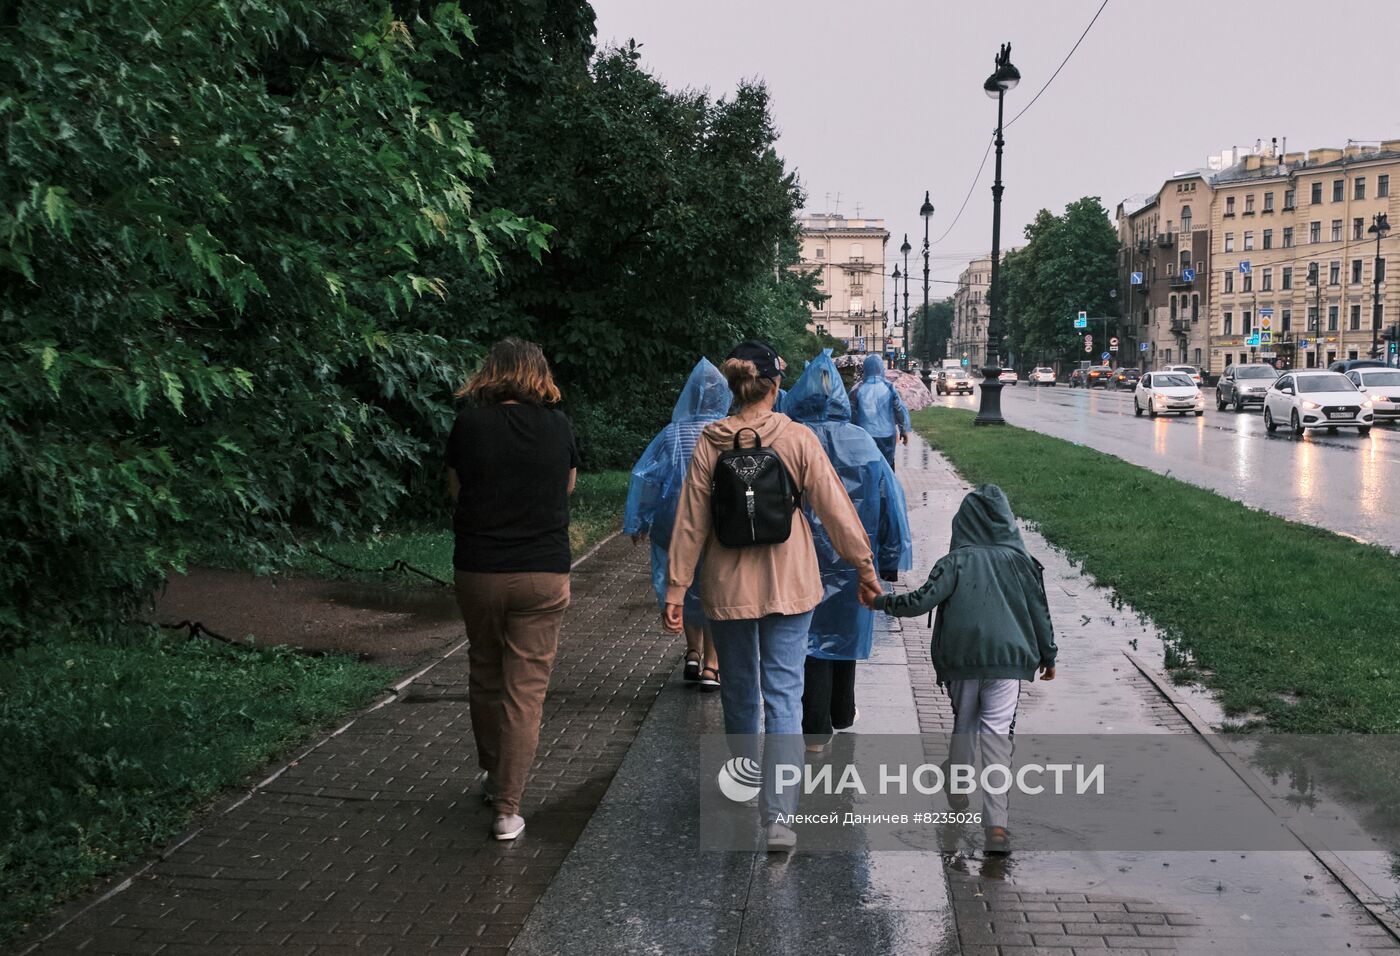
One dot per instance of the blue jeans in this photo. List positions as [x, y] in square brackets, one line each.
[887, 446]
[763, 659]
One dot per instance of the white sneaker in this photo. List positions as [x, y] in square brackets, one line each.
[508, 826]
[781, 839]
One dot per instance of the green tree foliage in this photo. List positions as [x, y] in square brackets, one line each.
[676, 217]
[217, 220]
[928, 335]
[1068, 264]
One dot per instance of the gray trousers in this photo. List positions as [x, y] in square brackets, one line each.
[984, 723]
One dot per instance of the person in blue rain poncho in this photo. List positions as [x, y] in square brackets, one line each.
[655, 488]
[877, 407]
[842, 630]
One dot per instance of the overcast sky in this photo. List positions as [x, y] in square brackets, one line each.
[882, 99]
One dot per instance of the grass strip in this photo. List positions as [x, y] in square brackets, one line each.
[110, 747]
[595, 511]
[1291, 623]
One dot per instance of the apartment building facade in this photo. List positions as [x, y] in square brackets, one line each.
[849, 258]
[1165, 263]
[1295, 255]
[970, 313]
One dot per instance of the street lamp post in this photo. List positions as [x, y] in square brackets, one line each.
[1003, 78]
[904, 248]
[926, 210]
[1380, 226]
[894, 302]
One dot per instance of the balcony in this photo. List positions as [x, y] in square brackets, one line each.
[1166, 240]
[1144, 247]
[1180, 327]
[1177, 282]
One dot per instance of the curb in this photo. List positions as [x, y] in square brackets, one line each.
[229, 805]
[1329, 861]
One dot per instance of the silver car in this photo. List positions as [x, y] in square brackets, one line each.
[1243, 385]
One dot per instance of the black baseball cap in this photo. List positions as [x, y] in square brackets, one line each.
[761, 354]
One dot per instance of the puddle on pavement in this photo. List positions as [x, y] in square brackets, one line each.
[426, 604]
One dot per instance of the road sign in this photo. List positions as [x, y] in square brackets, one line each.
[1104, 356]
[1137, 278]
[1142, 346]
[1252, 340]
[1088, 347]
[1268, 355]
[1113, 342]
[1244, 267]
[964, 363]
[1266, 337]
[1302, 343]
[1188, 275]
[1266, 313]
[1081, 322]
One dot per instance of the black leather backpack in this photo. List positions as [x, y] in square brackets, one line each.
[752, 495]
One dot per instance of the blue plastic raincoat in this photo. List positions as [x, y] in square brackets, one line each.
[660, 472]
[841, 628]
[877, 405]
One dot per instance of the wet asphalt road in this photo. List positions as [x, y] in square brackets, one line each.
[1342, 482]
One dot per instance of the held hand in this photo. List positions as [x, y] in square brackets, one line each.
[1047, 673]
[869, 590]
[673, 619]
[904, 438]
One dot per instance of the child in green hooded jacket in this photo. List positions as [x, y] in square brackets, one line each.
[992, 631]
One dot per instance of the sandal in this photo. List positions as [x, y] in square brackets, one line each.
[692, 666]
[709, 684]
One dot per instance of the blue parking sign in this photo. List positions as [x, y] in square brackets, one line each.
[1188, 275]
[1244, 267]
[1137, 278]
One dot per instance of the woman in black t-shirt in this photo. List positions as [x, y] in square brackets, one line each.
[512, 463]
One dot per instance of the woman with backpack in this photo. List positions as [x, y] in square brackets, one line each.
[739, 511]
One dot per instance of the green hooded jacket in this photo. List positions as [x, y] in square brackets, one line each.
[993, 619]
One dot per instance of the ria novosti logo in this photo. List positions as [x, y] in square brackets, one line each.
[740, 779]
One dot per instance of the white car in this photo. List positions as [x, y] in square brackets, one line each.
[1314, 398]
[1382, 387]
[1042, 376]
[1190, 370]
[1008, 377]
[1166, 393]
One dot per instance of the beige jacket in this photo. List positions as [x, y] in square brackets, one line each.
[744, 583]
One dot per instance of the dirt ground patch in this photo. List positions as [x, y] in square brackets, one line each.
[393, 626]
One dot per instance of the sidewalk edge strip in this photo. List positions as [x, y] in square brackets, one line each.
[1350, 881]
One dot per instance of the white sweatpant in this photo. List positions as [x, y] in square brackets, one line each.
[984, 719]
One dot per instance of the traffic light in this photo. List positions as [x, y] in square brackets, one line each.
[1392, 339]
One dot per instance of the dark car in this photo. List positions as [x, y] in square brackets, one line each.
[1346, 365]
[1243, 385]
[1097, 376]
[1126, 378]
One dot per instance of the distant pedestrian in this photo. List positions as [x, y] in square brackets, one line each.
[877, 407]
[655, 489]
[513, 463]
[759, 598]
[993, 630]
[843, 630]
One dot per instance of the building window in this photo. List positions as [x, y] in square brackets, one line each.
[1171, 268]
[1288, 237]
[1229, 282]
[1312, 318]
[1267, 281]
[1286, 320]
[1268, 202]
[1380, 270]
[1382, 186]
[1334, 273]
[1185, 260]
[1288, 197]
[1314, 232]
[1229, 242]
[1248, 282]
[1195, 306]
[857, 305]
[821, 253]
[1355, 324]
[1172, 304]
[1331, 318]
[1249, 205]
[1336, 230]
[1287, 280]
[1248, 240]
[857, 252]
[1317, 191]
[1312, 273]
[1358, 228]
[1339, 187]
[1246, 322]
[1198, 358]
[1358, 188]
[1268, 238]
[1229, 323]
[1229, 205]
[1356, 272]
[1185, 218]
